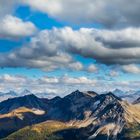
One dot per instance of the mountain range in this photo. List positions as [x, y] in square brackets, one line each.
[129, 96]
[77, 116]
[13, 94]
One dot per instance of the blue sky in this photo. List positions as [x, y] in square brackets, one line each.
[42, 21]
[89, 43]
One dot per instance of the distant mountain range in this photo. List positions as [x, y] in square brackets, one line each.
[13, 94]
[129, 96]
[77, 116]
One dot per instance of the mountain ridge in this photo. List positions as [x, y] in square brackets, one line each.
[88, 114]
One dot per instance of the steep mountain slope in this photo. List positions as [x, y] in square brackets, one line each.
[86, 115]
[29, 101]
[73, 106]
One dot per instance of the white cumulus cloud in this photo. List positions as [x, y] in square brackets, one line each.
[131, 69]
[13, 27]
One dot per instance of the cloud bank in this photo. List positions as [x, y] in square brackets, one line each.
[116, 44]
[61, 85]
[53, 49]
[109, 13]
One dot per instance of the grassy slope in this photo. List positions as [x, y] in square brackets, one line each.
[40, 131]
[17, 112]
[133, 132]
[132, 116]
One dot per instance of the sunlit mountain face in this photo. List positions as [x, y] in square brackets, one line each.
[69, 69]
